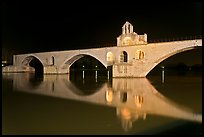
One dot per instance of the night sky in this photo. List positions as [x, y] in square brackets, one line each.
[35, 26]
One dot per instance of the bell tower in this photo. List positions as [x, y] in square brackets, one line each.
[128, 37]
[127, 28]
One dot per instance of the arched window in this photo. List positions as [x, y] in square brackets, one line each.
[109, 57]
[123, 56]
[129, 28]
[139, 54]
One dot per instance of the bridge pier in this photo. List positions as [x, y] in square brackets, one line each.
[127, 70]
[55, 70]
[64, 71]
[50, 69]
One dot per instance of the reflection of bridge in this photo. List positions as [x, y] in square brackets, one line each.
[132, 57]
[133, 98]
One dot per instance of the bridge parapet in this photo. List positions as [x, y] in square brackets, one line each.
[175, 39]
[50, 69]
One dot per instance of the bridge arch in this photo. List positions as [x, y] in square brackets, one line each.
[29, 58]
[69, 61]
[32, 61]
[167, 56]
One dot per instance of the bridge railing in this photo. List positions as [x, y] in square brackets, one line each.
[175, 39]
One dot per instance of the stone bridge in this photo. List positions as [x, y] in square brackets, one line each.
[132, 57]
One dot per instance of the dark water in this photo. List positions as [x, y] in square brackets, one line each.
[71, 104]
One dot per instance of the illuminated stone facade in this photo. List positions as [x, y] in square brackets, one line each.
[132, 57]
[128, 37]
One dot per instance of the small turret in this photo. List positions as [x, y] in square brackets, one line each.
[127, 28]
[128, 37]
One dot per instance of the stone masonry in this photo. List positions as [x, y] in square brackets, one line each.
[132, 57]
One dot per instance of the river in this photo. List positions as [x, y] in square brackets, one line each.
[93, 104]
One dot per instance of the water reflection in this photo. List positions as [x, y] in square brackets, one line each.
[133, 98]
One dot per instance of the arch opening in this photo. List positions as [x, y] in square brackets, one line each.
[34, 64]
[83, 71]
[180, 63]
[87, 62]
[87, 66]
[123, 56]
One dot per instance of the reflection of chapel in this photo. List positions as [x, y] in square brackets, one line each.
[128, 37]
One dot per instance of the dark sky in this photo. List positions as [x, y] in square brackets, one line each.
[35, 26]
